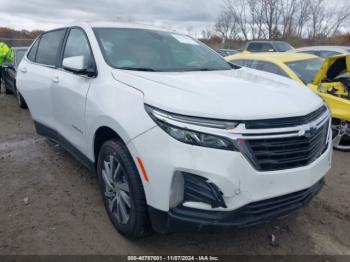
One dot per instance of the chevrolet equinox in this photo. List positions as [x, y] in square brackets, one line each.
[180, 139]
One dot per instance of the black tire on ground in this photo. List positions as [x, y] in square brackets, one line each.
[7, 91]
[137, 223]
[20, 100]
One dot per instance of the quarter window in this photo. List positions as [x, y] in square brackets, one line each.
[78, 45]
[49, 46]
[32, 52]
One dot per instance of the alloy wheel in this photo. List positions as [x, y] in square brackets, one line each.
[341, 133]
[116, 189]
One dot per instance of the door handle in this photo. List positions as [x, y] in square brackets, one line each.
[56, 79]
[23, 70]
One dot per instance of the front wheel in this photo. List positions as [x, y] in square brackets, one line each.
[122, 189]
[341, 134]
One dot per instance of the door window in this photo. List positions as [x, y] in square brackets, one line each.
[77, 45]
[49, 47]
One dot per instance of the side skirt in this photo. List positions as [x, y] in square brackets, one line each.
[54, 135]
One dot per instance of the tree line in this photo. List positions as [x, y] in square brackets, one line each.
[18, 37]
[281, 19]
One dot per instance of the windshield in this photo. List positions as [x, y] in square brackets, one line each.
[282, 46]
[306, 70]
[19, 55]
[149, 50]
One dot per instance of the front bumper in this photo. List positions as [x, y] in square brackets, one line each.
[189, 219]
[239, 182]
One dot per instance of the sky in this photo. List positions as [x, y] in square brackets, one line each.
[180, 15]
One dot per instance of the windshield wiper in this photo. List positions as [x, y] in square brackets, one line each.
[145, 69]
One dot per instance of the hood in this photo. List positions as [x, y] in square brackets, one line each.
[332, 67]
[242, 94]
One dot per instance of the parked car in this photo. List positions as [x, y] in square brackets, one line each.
[323, 51]
[227, 52]
[177, 135]
[267, 46]
[9, 72]
[329, 78]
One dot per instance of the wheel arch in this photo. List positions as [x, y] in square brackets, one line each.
[102, 135]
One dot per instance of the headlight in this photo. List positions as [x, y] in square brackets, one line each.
[192, 137]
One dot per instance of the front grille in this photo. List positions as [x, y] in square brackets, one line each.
[278, 204]
[285, 122]
[288, 152]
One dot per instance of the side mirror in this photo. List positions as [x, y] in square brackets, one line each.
[78, 65]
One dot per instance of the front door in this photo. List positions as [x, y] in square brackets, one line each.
[69, 91]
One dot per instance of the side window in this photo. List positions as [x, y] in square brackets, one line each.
[48, 49]
[32, 53]
[266, 47]
[325, 53]
[254, 47]
[77, 45]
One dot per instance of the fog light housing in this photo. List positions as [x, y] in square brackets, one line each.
[177, 190]
[200, 189]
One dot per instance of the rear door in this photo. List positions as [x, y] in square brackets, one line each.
[35, 76]
[70, 90]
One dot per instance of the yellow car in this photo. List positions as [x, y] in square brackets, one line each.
[329, 78]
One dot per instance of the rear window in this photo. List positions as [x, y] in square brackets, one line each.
[48, 49]
[260, 47]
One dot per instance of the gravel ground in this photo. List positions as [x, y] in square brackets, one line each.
[49, 204]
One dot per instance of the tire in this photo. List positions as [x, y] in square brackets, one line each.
[115, 156]
[341, 131]
[3, 85]
[20, 100]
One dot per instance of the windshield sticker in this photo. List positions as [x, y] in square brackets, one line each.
[185, 39]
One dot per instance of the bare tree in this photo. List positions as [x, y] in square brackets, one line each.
[270, 19]
[227, 25]
[288, 9]
[272, 13]
[302, 17]
[257, 19]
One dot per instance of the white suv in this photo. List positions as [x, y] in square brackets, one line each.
[178, 137]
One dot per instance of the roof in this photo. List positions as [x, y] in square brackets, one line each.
[266, 41]
[324, 47]
[118, 24]
[273, 57]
